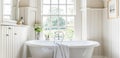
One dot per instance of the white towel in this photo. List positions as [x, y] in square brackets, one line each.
[61, 51]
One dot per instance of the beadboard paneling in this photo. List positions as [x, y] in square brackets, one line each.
[94, 21]
[111, 35]
[11, 41]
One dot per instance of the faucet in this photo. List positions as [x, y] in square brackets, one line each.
[59, 36]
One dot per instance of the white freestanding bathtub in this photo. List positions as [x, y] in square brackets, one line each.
[77, 49]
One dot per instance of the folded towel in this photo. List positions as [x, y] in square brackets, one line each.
[61, 51]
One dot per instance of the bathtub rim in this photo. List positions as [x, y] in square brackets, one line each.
[31, 44]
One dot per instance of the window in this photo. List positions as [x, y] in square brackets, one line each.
[7, 9]
[58, 16]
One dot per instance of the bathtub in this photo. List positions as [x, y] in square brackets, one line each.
[77, 49]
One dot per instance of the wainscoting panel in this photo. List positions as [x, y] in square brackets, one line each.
[111, 37]
[94, 21]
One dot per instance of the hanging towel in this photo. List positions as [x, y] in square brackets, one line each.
[61, 51]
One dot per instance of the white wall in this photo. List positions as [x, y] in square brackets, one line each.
[94, 22]
[111, 36]
[95, 3]
[28, 3]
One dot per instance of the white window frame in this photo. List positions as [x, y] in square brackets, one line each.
[80, 21]
[62, 15]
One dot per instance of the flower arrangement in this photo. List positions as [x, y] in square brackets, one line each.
[37, 29]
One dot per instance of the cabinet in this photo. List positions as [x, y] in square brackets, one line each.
[12, 39]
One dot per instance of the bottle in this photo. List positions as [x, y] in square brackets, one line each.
[20, 21]
[47, 37]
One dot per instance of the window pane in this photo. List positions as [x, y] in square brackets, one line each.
[46, 10]
[62, 9]
[54, 1]
[47, 34]
[54, 9]
[62, 1]
[70, 10]
[58, 15]
[70, 21]
[61, 33]
[46, 1]
[7, 1]
[70, 1]
[46, 21]
[7, 9]
[50, 34]
[61, 22]
[6, 17]
[54, 20]
[69, 33]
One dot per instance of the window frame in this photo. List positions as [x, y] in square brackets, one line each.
[77, 22]
[9, 15]
[58, 14]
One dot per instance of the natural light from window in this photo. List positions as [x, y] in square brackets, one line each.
[58, 16]
[7, 10]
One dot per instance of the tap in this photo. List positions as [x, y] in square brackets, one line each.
[59, 36]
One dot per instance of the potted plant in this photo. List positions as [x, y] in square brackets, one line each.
[37, 29]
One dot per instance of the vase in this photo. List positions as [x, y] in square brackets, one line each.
[37, 35]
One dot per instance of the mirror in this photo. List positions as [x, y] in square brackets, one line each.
[10, 10]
